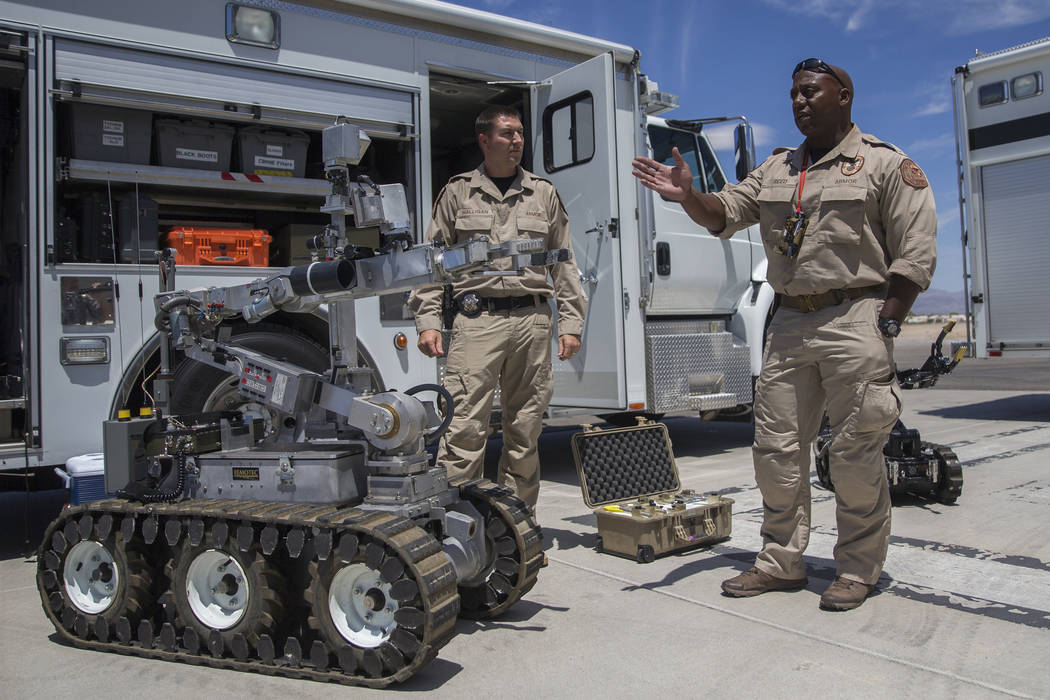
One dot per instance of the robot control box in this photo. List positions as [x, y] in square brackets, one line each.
[630, 479]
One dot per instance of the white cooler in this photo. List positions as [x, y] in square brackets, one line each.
[85, 477]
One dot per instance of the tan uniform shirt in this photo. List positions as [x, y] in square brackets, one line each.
[871, 214]
[471, 205]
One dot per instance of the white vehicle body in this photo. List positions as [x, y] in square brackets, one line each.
[414, 73]
[1002, 112]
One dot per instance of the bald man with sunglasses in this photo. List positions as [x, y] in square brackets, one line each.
[849, 227]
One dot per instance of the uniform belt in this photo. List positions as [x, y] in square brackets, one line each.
[816, 302]
[491, 304]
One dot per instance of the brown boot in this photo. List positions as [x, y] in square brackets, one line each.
[845, 594]
[754, 582]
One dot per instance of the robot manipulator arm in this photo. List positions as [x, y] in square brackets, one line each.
[391, 422]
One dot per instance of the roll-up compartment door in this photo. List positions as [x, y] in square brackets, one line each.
[1016, 212]
[153, 81]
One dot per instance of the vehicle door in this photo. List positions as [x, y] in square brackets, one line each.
[574, 142]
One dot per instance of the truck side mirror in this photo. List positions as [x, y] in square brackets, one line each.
[743, 150]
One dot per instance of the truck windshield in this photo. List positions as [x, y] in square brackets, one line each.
[707, 177]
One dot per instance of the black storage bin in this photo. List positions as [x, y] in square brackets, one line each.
[111, 134]
[267, 151]
[137, 228]
[95, 238]
[193, 143]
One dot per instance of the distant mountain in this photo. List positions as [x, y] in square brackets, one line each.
[939, 301]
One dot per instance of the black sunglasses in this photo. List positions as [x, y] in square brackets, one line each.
[815, 65]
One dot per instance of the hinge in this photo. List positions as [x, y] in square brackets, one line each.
[614, 227]
[977, 298]
[626, 301]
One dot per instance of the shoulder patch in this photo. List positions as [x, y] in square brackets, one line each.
[913, 174]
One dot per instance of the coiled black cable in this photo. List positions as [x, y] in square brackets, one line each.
[449, 408]
[162, 496]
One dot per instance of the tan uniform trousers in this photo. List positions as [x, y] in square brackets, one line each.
[511, 350]
[835, 357]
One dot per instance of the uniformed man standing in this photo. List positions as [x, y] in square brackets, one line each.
[849, 228]
[501, 336]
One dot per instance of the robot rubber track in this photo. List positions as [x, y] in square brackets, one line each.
[290, 553]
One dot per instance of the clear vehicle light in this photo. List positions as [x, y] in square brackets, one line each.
[253, 26]
[84, 351]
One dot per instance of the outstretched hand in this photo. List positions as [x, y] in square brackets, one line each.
[673, 182]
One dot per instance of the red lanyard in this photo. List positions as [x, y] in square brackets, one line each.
[802, 181]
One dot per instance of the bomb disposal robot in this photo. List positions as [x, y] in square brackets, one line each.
[307, 535]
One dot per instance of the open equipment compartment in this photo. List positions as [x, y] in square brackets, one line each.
[630, 480]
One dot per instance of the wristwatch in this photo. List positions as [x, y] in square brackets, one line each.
[890, 327]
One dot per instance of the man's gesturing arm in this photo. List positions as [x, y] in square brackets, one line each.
[676, 183]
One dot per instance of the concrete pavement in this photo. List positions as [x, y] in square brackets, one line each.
[962, 610]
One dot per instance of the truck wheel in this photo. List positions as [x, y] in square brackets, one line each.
[950, 477]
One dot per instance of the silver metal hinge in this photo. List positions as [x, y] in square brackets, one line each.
[285, 471]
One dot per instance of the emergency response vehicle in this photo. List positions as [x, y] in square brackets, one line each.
[133, 126]
[1002, 131]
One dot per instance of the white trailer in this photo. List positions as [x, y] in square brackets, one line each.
[676, 316]
[1002, 120]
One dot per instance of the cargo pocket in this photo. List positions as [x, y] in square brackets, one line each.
[842, 214]
[878, 407]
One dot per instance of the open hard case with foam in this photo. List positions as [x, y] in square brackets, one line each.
[630, 479]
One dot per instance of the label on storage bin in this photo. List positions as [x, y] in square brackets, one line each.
[112, 140]
[274, 163]
[275, 151]
[198, 155]
[113, 126]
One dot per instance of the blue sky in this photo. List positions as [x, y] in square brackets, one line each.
[736, 58]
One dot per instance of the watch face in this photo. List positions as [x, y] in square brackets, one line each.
[889, 327]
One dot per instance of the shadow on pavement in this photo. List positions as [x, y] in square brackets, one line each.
[1026, 407]
[24, 517]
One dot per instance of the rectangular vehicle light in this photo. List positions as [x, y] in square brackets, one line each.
[84, 351]
[253, 26]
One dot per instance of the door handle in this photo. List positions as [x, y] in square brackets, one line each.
[663, 259]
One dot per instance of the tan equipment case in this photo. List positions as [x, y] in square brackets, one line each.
[630, 479]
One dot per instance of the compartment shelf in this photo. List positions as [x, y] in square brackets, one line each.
[101, 171]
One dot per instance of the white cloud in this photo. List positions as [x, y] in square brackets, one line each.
[857, 17]
[948, 16]
[935, 106]
[721, 136]
[941, 142]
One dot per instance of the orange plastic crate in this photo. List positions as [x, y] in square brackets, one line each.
[219, 246]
